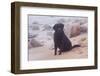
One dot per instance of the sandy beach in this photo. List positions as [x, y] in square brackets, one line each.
[44, 53]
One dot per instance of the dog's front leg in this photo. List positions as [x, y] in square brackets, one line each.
[61, 49]
[55, 53]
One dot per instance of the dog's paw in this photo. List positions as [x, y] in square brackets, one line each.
[60, 52]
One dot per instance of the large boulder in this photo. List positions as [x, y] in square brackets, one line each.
[47, 27]
[75, 30]
[72, 29]
[35, 27]
[34, 43]
[50, 34]
[67, 29]
[84, 28]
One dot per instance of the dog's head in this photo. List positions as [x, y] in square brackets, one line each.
[58, 27]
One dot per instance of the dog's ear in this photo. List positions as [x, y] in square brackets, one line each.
[54, 27]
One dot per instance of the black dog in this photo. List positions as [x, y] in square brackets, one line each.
[61, 41]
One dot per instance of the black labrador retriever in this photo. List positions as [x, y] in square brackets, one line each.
[61, 41]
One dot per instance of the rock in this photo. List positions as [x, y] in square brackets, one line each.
[50, 33]
[67, 30]
[47, 27]
[35, 27]
[34, 43]
[84, 28]
[75, 30]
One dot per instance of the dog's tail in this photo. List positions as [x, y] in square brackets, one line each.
[76, 46]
